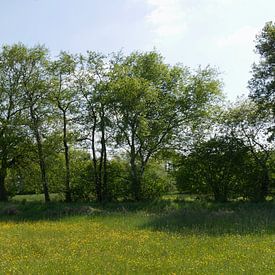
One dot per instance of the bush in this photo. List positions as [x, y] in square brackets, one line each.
[82, 177]
[213, 167]
[118, 179]
[156, 181]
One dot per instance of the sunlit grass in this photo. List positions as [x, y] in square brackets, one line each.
[159, 238]
[36, 198]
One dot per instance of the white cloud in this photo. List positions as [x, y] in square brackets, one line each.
[167, 17]
[242, 37]
[223, 2]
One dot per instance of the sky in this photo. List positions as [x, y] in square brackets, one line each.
[219, 33]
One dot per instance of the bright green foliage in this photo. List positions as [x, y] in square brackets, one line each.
[124, 114]
[95, 119]
[64, 97]
[11, 131]
[152, 104]
[262, 83]
[156, 181]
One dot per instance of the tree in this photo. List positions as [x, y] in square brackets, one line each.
[64, 96]
[150, 102]
[25, 175]
[213, 166]
[243, 121]
[95, 120]
[35, 89]
[11, 131]
[262, 83]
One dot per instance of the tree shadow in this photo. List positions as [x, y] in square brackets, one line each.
[171, 216]
[22, 211]
[217, 219]
[37, 211]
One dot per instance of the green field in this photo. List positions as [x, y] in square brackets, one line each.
[168, 236]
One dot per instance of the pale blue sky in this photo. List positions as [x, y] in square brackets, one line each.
[192, 32]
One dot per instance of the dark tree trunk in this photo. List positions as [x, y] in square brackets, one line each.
[220, 197]
[3, 191]
[96, 175]
[4, 160]
[264, 185]
[100, 177]
[105, 183]
[41, 157]
[68, 195]
[263, 190]
[136, 183]
[3, 174]
[103, 158]
[42, 167]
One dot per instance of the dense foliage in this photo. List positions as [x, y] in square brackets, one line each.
[96, 127]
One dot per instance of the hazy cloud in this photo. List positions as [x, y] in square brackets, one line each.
[167, 17]
[241, 37]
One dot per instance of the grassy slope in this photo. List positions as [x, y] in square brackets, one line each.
[168, 236]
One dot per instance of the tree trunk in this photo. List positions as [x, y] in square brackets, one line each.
[68, 195]
[103, 157]
[96, 176]
[264, 185]
[136, 183]
[105, 185]
[220, 195]
[3, 174]
[42, 163]
[4, 160]
[100, 176]
[42, 168]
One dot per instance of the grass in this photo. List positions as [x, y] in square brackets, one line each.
[169, 236]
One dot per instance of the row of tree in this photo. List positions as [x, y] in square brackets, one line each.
[134, 103]
[127, 117]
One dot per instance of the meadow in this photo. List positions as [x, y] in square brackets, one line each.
[174, 235]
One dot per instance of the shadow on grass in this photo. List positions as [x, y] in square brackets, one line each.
[217, 219]
[37, 210]
[171, 215]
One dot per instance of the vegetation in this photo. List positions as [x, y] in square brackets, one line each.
[132, 107]
[104, 139]
[118, 127]
[172, 235]
[262, 84]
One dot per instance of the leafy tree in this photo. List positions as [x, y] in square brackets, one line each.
[12, 133]
[262, 83]
[25, 175]
[95, 120]
[213, 167]
[243, 121]
[64, 96]
[35, 93]
[151, 102]
[134, 103]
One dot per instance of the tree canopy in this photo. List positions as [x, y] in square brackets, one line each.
[110, 127]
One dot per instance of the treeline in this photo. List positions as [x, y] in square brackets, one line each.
[130, 127]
